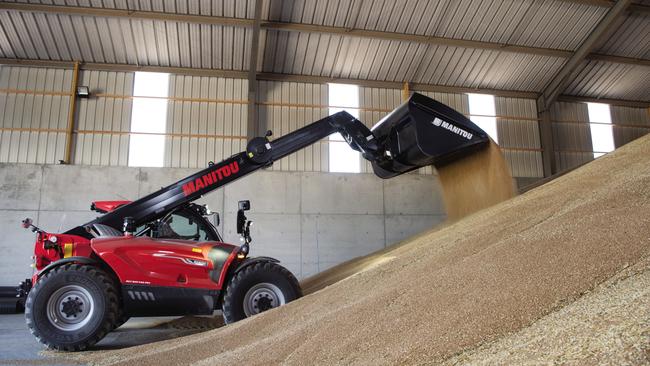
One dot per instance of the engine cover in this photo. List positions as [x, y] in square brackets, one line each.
[145, 261]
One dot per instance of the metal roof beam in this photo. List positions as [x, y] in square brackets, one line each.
[566, 74]
[253, 127]
[617, 102]
[618, 59]
[633, 8]
[132, 14]
[348, 32]
[309, 28]
[393, 85]
[234, 74]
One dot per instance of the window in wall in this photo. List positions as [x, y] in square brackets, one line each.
[483, 112]
[342, 158]
[148, 119]
[600, 124]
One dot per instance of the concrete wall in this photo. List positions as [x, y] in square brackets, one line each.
[308, 220]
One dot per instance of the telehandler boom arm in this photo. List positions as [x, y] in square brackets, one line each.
[418, 133]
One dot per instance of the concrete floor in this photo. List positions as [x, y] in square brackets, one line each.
[19, 347]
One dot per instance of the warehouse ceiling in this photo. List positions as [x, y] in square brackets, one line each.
[503, 45]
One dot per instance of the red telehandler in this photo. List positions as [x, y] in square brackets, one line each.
[162, 255]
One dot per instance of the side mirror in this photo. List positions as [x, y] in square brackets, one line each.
[245, 205]
[216, 219]
[241, 218]
[27, 223]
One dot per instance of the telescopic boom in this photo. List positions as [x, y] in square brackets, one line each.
[418, 133]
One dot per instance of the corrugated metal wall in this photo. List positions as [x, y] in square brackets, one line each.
[629, 123]
[206, 120]
[518, 131]
[104, 120]
[571, 135]
[31, 99]
[286, 106]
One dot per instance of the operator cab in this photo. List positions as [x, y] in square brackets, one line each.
[188, 222]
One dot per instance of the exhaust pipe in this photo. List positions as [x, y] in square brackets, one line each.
[423, 132]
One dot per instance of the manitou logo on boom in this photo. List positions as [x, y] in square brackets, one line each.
[448, 126]
[210, 178]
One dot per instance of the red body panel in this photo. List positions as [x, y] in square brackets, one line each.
[70, 245]
[160, 262]
[43, 257]
[142, 260]
[107, 206]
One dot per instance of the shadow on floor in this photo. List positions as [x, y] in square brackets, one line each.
[140, 331]
[19, 347]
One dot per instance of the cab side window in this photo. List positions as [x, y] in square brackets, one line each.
[180, 226]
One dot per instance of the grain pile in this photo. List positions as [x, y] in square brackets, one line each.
[448, 291]
[610, 326]
[476, 182]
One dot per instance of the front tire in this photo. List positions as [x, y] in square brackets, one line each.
[72, 307]
[121, 319]
[257, 288]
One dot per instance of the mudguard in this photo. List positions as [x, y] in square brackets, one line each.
[250, 261]
[60, 262]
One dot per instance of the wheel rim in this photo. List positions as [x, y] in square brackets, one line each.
[262, 297]
[70, 308]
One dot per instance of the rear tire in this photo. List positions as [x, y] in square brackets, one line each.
[259, 287]
[72, 307]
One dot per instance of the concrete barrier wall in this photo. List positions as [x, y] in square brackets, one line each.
[309, 220]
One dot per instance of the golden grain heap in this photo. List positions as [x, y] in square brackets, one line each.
[452, 290]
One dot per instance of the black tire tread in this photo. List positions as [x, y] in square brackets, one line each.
[236, 280]
[121, 318]
[113, 304]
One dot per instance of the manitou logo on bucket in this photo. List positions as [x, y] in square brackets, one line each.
[447, 126]
[211, 178]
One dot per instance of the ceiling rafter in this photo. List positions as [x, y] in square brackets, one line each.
[633, 8]
[253, 127]
[310, 28]
[234, 74]
[566, 74]
[558, 83]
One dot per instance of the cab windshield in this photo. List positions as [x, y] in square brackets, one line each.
[184, 224]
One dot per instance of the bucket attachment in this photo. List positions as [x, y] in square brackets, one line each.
[424, 132]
